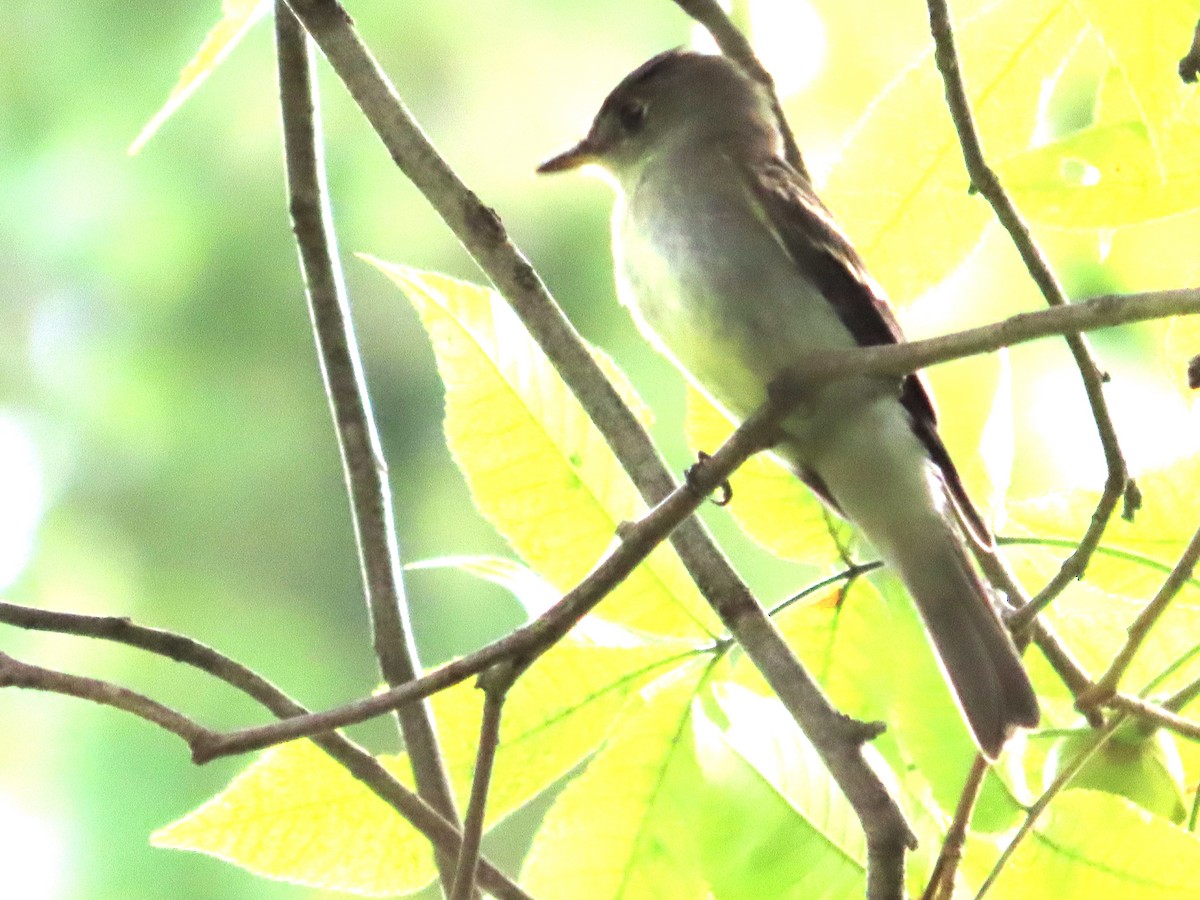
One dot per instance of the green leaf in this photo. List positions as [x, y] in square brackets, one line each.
[1090, 844]
[622, 828]
[1145, 51]
[1144, 768]
[296, 815]
[765, 788]
[900, 187]
[538, 469]
[1106, 176]
[557, 713]
[769, 503]
[237, 18]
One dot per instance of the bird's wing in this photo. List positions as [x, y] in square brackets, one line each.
[811, 237]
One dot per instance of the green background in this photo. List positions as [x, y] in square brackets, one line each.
[165, 446]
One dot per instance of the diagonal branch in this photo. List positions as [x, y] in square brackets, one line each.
[639, 539]
[14, 673]
[1139, 629]
[361, 765]
[358, 440]
[984, 180]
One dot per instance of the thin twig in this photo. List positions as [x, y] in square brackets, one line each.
[358, 440]
[1155, 714]
[14, 673]
[984, 180]
[941, 882]
[1105, 311]
[1068, 771]
[361, 765]
[640, 538]
[494, 683]
[1139, 630]
[734, 44]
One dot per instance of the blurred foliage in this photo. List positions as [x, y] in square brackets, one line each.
[166, 452]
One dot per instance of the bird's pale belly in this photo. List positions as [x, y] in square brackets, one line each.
[734, 327]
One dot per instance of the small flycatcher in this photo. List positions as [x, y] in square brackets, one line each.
[735, 270]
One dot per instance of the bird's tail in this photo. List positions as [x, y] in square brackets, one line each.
[977, 653]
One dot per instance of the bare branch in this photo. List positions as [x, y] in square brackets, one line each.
[358, 440]
[1105, 311]
[984, 180]
[527, 642]
[361, 765]
[494, 683]
[1139, 630]
[14, 673]
[941, 882]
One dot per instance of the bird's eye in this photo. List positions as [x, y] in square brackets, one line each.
[632, 115]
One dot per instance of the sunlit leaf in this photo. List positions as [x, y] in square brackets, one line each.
[1144, 768]
[296, 815]
[237, 18]
[1106, 176]
[1160, 530]
[1090, 844]
[556, 714]
[900, 187]
[1145, 51]
[766, 787]
[538, 469]
[621, 829]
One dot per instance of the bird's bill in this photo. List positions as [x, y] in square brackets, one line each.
[580, 155]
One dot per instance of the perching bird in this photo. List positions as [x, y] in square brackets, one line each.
[735, 270]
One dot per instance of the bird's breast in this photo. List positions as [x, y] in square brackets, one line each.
[711, 287]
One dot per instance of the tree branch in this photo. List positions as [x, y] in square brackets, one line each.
[358, 441]
[1139, 630]
[941, 882]
[361, 765]
[14, 673]
[495, 683]
[984, 180]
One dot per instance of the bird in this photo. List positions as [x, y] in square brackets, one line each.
[734, 269]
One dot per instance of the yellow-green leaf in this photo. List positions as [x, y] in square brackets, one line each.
[237, 18]
[1160, 530]
[765, 786]
[1091, 844]
[559, 711]
[1144, 768]
[1106, 176]
[1144, 50]
[296, 815]
[538, 469]
[620, 830]
[900, 187]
